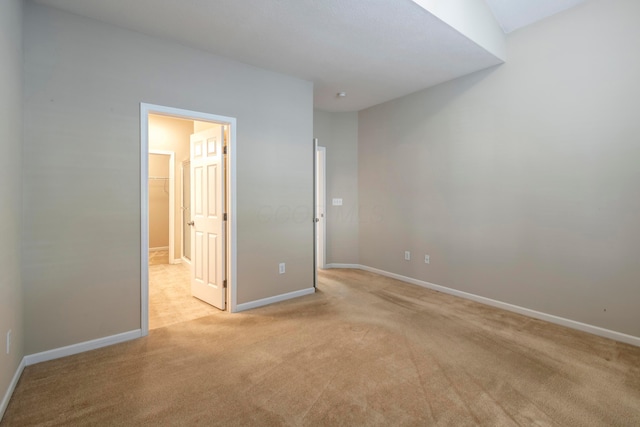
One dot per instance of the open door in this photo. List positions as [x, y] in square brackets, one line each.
[208, 278]
[320, 200]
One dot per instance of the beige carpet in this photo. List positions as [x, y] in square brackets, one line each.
[363, 350]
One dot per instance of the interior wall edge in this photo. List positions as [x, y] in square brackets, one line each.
[12, 324]
[12, 387]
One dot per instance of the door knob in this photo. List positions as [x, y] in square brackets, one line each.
[191, 223]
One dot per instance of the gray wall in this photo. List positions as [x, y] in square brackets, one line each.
[84, 82]
[338, 133]
[521, 182]
[10, 188]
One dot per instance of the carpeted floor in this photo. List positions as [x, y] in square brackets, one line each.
[363, 350]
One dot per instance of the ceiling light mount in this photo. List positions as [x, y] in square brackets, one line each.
[341, 94]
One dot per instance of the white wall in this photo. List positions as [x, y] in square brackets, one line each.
[338, 132]
[521, 182]
[84, 82]
[10, 190]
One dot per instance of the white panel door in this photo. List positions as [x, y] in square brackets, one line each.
[207, 216]
[320, 206]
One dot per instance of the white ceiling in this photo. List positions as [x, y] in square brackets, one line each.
[374, 50]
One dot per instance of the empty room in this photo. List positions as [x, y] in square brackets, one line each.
[301, 212]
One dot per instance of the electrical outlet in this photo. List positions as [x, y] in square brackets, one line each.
[427, 260]
[407, 256]
[9, 341]
[281, 268]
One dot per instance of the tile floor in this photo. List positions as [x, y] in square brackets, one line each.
[170, 299]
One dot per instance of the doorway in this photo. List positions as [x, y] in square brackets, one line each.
[182, 237]
[185, 210]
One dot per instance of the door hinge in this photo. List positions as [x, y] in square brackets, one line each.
[224, 283]
[224, 150]
[224, 217]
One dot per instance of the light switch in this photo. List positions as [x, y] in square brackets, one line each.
[337, 202]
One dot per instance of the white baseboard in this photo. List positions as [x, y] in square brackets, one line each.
[595, 330]
[176, 261]
[81, 347]
[12, 387]
[330, 266]
[159, 248]
[271, 300]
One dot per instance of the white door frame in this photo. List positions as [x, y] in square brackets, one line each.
[321, 177]
[172, 208]
[145, 110]
[182, 218]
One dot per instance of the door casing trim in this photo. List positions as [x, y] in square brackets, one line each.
[231, 226]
